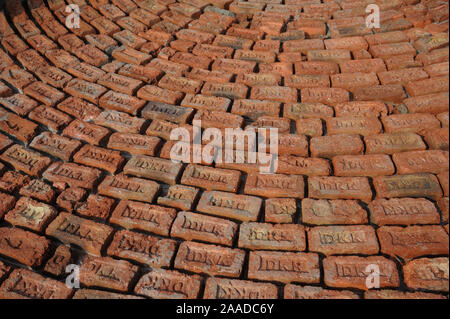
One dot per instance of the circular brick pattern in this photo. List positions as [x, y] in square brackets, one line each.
[88, 102]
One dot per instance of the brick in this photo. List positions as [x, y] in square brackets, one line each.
[413, 241]
[179, 196]
[427, 273]
[146, 74]
[19, 103]
[31, 214]
[438, 69]
[169, 284]
[12, 180]
[169, 67]
[71, 229]
[134, 143]
[284, 267]
[90, 133]
[239, 207]
[95, 206]
[431, 103]
[44, 93]
[307, 81]
[362, 66]
[361, 109]
[316, 67]
[192, 226]
[156, 94]
[280, 210]
[393, 142]
[328, 96]
[194, 61]
[108, 273]
[391, 49]
[99, 157]
[255, 236]
[416, 123]
[386, 38]
[345, 240]
[437, 139]
[146, 249]
[85, 90]
[25, 247]
[25, 284]
[363, 165]
[212, 51]
[27, 161]
[340, 188]
[120, 121]
[303, 46]
[353, 125]
[352, 272]
[57, 264]
[403, 211]
[79, 108]
[329, 212]
[335, 56]
[350, 81]
[37, 189]
[275, 185]
[210, 76]
[210, 259]
[432, 85]
[227, 90]
[17, 77]
[283, 125]
[412, 185]
[349, 43]
[303, 166]
[312, 292]
[153, 168]
[143, 216]
[402, 76]
[70, 197]
[168, 112]
[386, 93]
[330, 146]
[49, 117]
[211, 178]
[296, 111]
[443, 179]
[430, 161]
[218, 288]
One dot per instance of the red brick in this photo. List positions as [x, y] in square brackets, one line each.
[297, 111]
[210, 259]
[312, 292]
[361, 109]
[330, 146]
[413, 185]
[363, 165]
[25, 284]
[331, 187]
[386, 50]
[428, 86]
[393, 142]
[329, 96]
[385, 93]
[329, 212]
[437, 139]
[403, 211]
[350, 272]
[415, 123]
[95, 206]
[427, 273]
[350, 81]
[222, 288]
[317, 67]
[395, 294]
[346, 240]
[430, 161]
[353, 125]
[413, 241]
[169, 284]
[275, 185]
[25, 160]
[146, 249]
[430, 103]
[211, 178]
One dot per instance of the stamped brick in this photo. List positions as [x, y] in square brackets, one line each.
[296, 111]
[312, 292]
[353, 125]
[432, 85]
[330, 146]
[143, 216]
[363, 165]
[70, 197]
[413, 241]
[25, 284]
[135, 144]
[346, 240]
[120, 121]
[211, 178]
[25, 247]
[37, 189]
[156, 94]
[154, 168]
[12, 180]
[99, 157]
[44, 93]
[328, 96]
[179, 196]
[275, 185]
[280, 210]
[361, 109]
[284, 267]
[106, 272]
[437, 139]
[393, 143]
[331, 187]
[19, 103]
[169, 284]
[167, 112]
[192, 226]
[427, 273]
[362, 66]
[274, 93]
[202, 102]
[227, 90]
[79, 108]
[217, 288]
[411, 185]
[146, 249]
[332, 212]
[31, 214]
[27, 161]
[430, 161]
[85, 90]
[210, 259]
[272, 237]
[53, 119]
[316, 67]
[430, 103]
[387, 93]
[352, 271]
[87, 132]
[212, 51]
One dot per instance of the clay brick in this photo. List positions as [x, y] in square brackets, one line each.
[352, 272]
[192, 226]
[346, 240]
[195, 61]
[331, 212]
[402, 76]
[438, 69]
[211, 178]
[302, 46]
[416, 123]
[362, 66]
[70, 197]
[25, 247]
[303, 166]
[349, 43]
[386, 93]
[228, 90]
[218, 288]
[134, 143]
[403, 211]
[169, 284]
[156, 94]
[212, 51]
[168, 112]
[108, 273]
[390, 49]
[330, 146]
[25, 284]
[430, 161]
[90, 133]
[316, 67]
[437, 139]
[275, 185]
[443, 179]
[413, 241]
[428, 86]
[307, 81]
[328, 96]
[393, 143]
[143, 216]
[331, 187]
[386, 38]
[255, 236]
[27, 161]
[99, 157]
[363, 165]
[280, 210]
[202, 102]
[57, 264]
[85, 90]
[297, 111]
[350, 81]
[239, 207]
[283, 125]
[153, 168]
[120, 121]
[49, 117]
[37, 189]
[254, 109]
[79, 108]
[44, 93]
[71, 229]
[19, 103]
[146, 249]
[210, 259]
[13, 180]
[146, 74]
[430, 103]
[284, 267]
[95, 206]
[179, 196]
[311, 292]
[427, 273]
[353, 125]
[209, 76]
[31, 214]
[361, 109]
